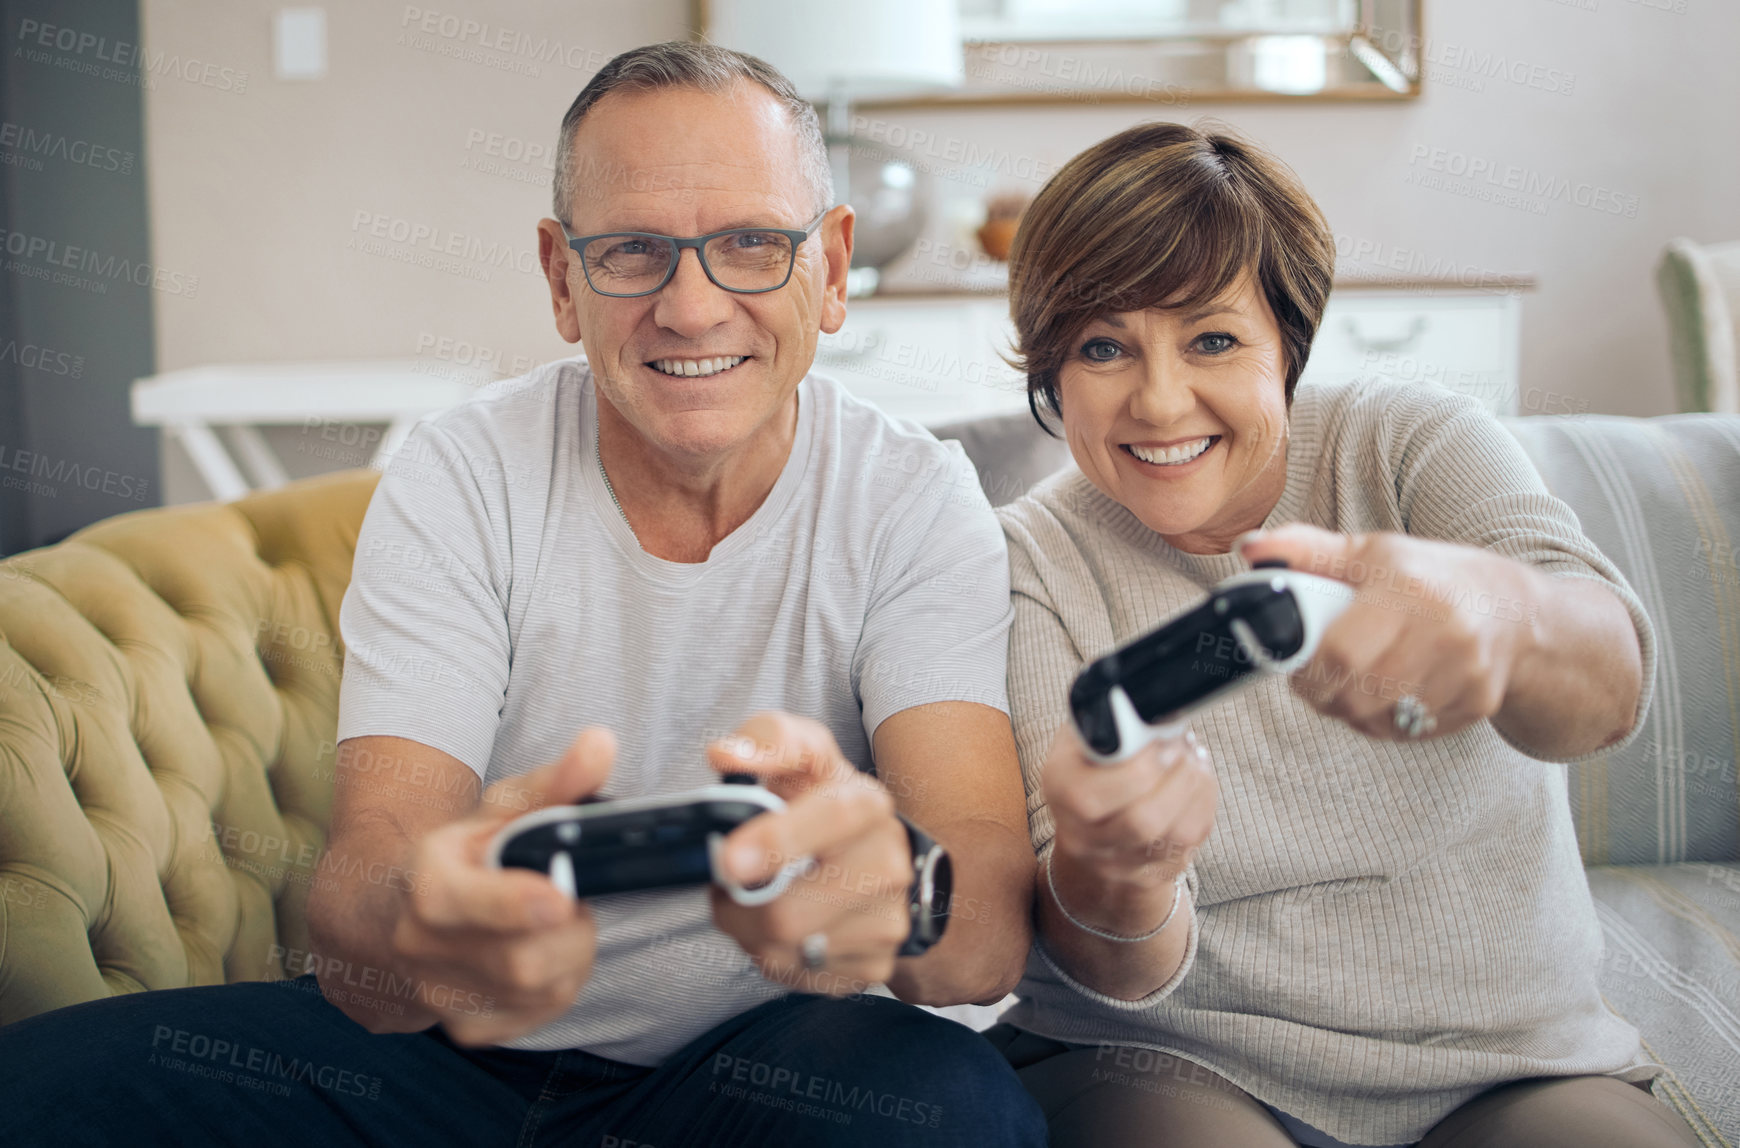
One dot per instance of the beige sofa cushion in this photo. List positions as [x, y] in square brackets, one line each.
[168, 696]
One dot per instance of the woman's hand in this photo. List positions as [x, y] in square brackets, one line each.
[1125, 833]
[1444, 623]
[1134, 825]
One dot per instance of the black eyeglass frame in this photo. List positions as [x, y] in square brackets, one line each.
[699, 242]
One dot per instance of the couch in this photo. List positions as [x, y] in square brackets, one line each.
[169, 688]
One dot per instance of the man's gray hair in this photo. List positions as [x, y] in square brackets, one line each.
[709, 68]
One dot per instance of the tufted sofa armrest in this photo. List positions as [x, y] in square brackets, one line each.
[168, 698]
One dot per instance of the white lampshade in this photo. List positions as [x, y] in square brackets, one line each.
[856, 48]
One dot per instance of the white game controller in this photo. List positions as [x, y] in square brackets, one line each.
[639, 843]
[1266, 621]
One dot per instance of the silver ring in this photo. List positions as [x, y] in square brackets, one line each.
[815, 951]
[1412, 718]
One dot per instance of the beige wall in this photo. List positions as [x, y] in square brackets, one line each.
[259, 191]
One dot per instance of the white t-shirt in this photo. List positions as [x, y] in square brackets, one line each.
[499, 603]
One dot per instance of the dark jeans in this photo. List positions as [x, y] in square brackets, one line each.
[262, 1064]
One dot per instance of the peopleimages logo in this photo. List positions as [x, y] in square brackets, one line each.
[436, 247]
[785, 1084]
[1476, 63]
[954, 150]
[36, 253]
[27, 142]
[33, 357]
[1468, 170]
[58, 471]
[87, 53]
[480, 42]
[197, 1047]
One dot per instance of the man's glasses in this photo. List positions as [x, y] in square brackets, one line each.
[747, 260]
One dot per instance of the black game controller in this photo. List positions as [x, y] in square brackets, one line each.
[640, 843]
[1266, 621]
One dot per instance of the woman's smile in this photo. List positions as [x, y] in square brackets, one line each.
[1173, 460]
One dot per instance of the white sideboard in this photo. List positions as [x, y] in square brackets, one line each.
[1466, 340]
[937, 358]
[930, 358]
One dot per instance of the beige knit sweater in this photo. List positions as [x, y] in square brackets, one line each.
[1384, 929]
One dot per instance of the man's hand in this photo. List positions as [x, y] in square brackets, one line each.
[854, 896]
[507, 935]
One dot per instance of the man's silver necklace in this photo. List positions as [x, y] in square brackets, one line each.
[598, 451]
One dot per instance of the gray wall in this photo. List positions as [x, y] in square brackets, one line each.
[76, 279]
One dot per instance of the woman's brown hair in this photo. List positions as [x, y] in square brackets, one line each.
[1163, 215]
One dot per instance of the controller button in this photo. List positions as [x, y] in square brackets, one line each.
[567, 832]
[741, 779]
[562, 873]
[1268, 563]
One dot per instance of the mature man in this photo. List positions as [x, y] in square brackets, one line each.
[705, 560]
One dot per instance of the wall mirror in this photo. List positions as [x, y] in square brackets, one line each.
[1176, 52]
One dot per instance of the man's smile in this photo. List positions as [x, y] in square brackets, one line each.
[697, 368]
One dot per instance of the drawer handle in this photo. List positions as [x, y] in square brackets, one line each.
[1416, 328]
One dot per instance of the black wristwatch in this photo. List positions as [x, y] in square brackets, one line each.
[927, 901]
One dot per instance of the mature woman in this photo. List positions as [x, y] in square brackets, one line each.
[1348, 909]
